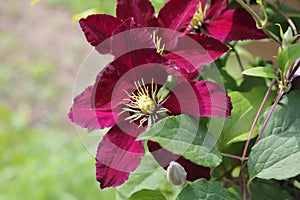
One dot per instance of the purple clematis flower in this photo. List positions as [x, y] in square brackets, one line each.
[125, 94]
[224, 24]
[124, 97]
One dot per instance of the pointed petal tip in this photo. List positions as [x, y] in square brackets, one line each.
[118, 155]
[97, 28]
[142, 11]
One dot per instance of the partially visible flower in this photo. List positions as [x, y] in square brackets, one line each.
[224, 24]
[167, 30]
[175, 15]
[176, 174]
[188, 52]
[182, 16]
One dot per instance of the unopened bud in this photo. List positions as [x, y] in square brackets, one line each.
[287, 36]
[176, 174]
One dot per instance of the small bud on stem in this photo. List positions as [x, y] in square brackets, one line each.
[176, 174]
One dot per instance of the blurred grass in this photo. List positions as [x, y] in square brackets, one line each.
[79, 6]
[104, 6]
[41, 156]
[43, 164]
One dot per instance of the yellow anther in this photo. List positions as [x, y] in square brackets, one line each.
[157, 42]
[198, 18]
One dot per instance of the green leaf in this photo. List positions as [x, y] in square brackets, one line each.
[147, 195]
[267, 191]
[148, 175]
[276, 157]
[288, 56]
[262, 191]
[250, 82]
[286, 116]
[245, 107]
[203, 189]
[264, 72]
[158, 4]
[183, 135]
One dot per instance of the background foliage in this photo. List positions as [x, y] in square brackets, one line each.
[41, 154]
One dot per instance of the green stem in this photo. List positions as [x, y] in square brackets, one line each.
[257, 117]
[234, 156]
[269, 115]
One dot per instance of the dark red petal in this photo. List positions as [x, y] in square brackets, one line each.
[118, 155]
[202, 98]
[108, 78]
[141, 10]
[172, 104]
[234, 24]
[193, 52]
[104, 86]
[212, 100]
[177, 14]
[97, 28]
[216, 8]
[207, 48]
[130, 36]
[164, 157]
[83, 115]
[182, 65]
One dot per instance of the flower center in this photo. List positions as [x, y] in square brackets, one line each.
[198, 18]
[160, 48]
[146, 104]
[143, 104]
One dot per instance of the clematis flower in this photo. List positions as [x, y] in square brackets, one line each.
[125, 98]
[224, 24]
[175, 15]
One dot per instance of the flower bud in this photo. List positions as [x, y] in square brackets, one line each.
[176, 174]
[287, 36]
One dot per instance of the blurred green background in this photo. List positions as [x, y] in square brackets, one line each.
[41, 50]
[41, 154]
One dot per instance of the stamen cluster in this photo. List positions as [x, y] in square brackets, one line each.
[144, 104]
